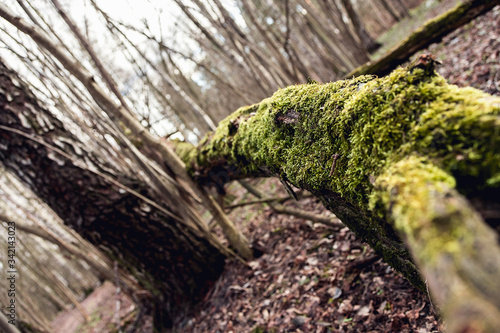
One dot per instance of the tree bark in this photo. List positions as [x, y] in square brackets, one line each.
[6, 326]
[396, 159]
[389, 9]
[174, 261]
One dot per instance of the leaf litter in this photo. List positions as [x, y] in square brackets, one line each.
[310, 279]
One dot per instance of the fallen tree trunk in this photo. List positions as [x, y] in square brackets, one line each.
[431, 32]
[400, 160]
[169, 163]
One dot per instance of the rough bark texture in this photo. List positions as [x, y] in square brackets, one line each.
[433, 31]
[174, 262]
[163, 154]
[391, 156]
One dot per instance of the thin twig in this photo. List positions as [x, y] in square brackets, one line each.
[266, 200]
[281, 209]
[335, 157]
[117, 294]
[429, 295]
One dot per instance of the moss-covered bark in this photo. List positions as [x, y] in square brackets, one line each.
[456, 252]
[382, 153]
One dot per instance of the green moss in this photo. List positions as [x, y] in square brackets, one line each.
[338, 139]
[184, 150]
[367, 122]
[414, 188]
[460, 132]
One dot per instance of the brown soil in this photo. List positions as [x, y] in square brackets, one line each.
[470, 56]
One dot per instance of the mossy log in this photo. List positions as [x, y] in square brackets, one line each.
[431, 32]
[408, 162]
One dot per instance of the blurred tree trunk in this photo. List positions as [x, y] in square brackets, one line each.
[432, 32]
[168, 176]
[387, 7]
[175, 261]
[369, 43]
[403, 7]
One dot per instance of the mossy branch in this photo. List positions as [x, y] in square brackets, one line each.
[431, 32]
[348, 141]
[455, 250]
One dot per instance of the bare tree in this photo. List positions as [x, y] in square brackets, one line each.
[116, 213]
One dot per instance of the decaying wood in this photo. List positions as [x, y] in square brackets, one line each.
[432, 32]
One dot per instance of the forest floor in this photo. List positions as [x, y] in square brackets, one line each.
[105, 307]
[312, 278]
